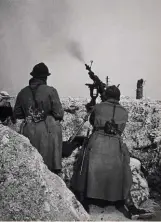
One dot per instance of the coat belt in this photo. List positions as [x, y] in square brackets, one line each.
[100, 128]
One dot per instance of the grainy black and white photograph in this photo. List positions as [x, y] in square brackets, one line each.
[80, 110]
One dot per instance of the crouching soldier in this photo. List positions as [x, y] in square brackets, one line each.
[40, 106]
[106, 176]
[6, 111]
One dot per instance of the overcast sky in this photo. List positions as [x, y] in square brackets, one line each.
[122, 37]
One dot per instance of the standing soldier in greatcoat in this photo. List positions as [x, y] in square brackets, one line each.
[40, 107]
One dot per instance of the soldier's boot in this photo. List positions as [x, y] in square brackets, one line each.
[120, 206]
[85, 205]
[84, 201]
[135, 212]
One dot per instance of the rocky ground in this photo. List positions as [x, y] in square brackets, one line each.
[106, 214]
[143, 137]
[28, 190]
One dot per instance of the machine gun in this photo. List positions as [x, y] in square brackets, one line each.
[97, 88]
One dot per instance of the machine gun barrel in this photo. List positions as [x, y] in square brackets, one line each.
[97, 83]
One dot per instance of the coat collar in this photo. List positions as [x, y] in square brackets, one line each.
[34, 83]
[112, 101]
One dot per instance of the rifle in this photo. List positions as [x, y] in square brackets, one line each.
[97, 85]
[84, 147]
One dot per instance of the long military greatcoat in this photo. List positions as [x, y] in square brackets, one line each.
[45, 135]
[106, 171]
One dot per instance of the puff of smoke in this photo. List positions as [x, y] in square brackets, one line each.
[75, 50]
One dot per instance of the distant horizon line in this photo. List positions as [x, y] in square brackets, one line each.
[88, 98]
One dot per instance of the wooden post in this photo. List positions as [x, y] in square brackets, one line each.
[107, 79]
[139, 90]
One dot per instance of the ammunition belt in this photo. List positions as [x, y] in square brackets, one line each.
[34, 119]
